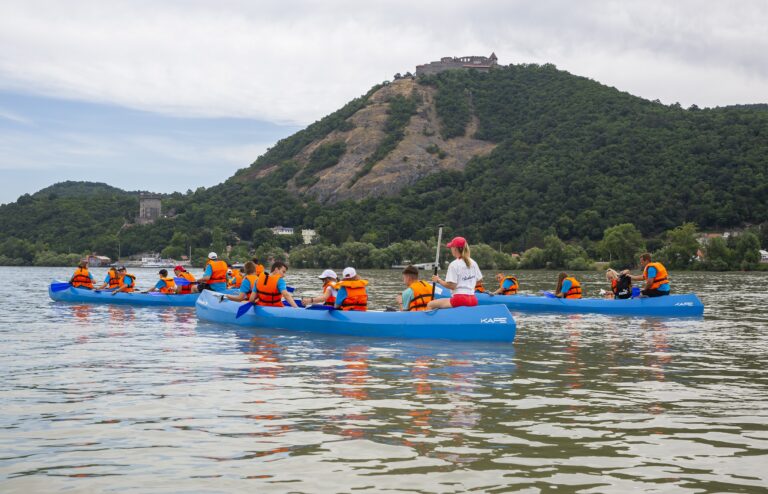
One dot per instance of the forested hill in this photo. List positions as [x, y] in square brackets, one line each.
[504, 157]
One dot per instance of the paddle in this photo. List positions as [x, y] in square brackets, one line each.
[57, 287]
[184, 282]
[243, 309]
[437, 256]
[321, 307]
[548, 294]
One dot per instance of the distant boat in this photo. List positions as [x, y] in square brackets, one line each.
[421, 265]
[157, 262]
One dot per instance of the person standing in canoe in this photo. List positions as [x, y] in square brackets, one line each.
[417, 294]
[352, 294]
[111, 281]
[655, 276]
[127, 281]
[461, 278]
[328, 297]
[165, 284]
[82, 278]
[508, 285]
[215, 274]
[191, 283]
[271, 288]
[568, 287]
[246, 285]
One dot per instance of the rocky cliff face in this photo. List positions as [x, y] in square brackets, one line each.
[421, 152]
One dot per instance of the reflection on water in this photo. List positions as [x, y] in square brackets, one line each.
[100, 398]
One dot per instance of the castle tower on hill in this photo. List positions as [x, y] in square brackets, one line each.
[150, 208]
[483, 64]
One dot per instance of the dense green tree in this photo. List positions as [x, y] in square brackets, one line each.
[680, 247]
[621, 244]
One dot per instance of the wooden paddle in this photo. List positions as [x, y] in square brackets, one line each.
[437, 256]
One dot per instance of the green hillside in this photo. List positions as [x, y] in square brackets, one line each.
[572, 158]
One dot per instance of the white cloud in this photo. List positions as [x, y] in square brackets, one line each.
[293, 61]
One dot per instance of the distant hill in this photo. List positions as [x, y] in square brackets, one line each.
[505, 157]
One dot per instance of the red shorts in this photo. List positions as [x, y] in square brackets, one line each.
[463, 301]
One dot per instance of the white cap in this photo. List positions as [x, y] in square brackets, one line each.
[328, 273]
[349, 273]
[212, 255]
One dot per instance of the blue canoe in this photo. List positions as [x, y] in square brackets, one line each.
[487, 323]
[687, 305]
[82, 295]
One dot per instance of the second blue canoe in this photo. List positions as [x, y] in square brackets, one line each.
[686, 305]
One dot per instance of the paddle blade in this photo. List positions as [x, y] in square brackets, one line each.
[243, 309]
[57, 287]
[549, 294]
[182, 281]
[290, 289]
[635, 291]
[298, 302]
[321, 307]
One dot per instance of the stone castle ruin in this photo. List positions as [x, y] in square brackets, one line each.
[483, 64]
[150, 208]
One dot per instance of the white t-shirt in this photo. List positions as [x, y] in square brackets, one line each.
[464, 277]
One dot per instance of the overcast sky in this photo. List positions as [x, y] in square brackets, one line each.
[172, 95]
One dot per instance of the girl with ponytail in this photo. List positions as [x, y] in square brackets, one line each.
[461, 278]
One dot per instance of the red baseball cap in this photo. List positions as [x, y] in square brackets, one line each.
[457, 242]
[179, 268]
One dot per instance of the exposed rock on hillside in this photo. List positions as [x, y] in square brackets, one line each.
[422, 150]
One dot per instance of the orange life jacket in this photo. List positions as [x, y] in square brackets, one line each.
[252, 279]
[267, 292]
[170, 286]
[661, 274]
[81, 278]
[511, 290]
[357, 297]
[236, 280]
[114, 279]
[185, 289]
[575, 291]
[331, 300]
[218, 272]
[479, 286]
[422, 295]
[123, 286]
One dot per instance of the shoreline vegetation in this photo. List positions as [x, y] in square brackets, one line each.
[682, 248]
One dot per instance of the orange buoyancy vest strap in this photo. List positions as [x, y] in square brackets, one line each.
[357, 296]
[479, 286]
[114, 279]
[511, 290]
[661, 274]
[267, 292]
[185, 289]
[218, 272]
[331, 300]
[575, 291]
[237, 279]
[170, 286]
[422, 295]
[82, 278]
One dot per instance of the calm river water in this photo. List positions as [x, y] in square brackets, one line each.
[129, 399]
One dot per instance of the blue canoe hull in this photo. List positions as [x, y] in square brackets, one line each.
[80, 295]
[687, 305]
[488, 323]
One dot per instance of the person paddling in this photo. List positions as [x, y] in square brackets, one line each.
[82, 278]
[271, 288]
[417, 294]
[461, 278]
[655, 276]
[215, 274]
[165, 284]
[352, 293]
[191, 283]
[568, 287]
[127, 281]
[111, 281]
[508, 285]
[247, 285]
[328, 297]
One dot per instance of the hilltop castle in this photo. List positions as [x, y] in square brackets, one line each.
[483, 64]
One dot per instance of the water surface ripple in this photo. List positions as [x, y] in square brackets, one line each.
[130, 399]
